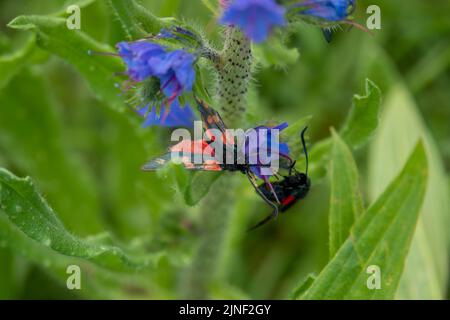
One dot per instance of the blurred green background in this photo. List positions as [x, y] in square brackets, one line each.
[85, 156]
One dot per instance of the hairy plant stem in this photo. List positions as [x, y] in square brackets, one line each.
[234, 72]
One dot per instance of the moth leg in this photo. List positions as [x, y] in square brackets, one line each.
[263, 222]
[255, 186]
[274, 214]
[270, 187]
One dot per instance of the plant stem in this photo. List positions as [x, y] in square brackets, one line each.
[234, 70]
[234, 74]
[214, 218]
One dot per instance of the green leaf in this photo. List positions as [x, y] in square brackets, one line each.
[291, 136]
[381, 237]
[200, 87]
[96, 281]
[136, 21]
[361, 123]
[426, 269]
[32, 139]
[177, 172]
[346, 204]
[80, 3]
[303, 287]
[212, 6]
[199, 185]
[363, 117]
[11, 64]
[74, 46]
[193, 185]
[275, 53]
[23, 209]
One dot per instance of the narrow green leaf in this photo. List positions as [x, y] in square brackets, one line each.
[363, 117]
[74, 46]
[212, 6]
[80, 3]
[426, 270]
[12, 63]
[136, 21]
[346, 204]
[303, 287]
[381, 238]
[200, 86]
[23, 209]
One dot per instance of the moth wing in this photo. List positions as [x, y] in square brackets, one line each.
[210, 117]
[157, 163]
[213, 121]
[184, 153]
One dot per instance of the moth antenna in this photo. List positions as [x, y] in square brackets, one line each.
[305, 150]
[357, 25]
[292, 167]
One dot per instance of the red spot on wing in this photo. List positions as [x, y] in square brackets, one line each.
[226, 138]
[288, 200]
[212, 165]
[193, 147]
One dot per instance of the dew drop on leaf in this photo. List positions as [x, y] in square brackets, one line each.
[47, 242]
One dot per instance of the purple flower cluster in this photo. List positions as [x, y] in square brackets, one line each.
[175, 71]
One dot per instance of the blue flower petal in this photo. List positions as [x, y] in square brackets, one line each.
[256, 18]
[175, 116]
[174, 69]
[263, 145]
[330, 10]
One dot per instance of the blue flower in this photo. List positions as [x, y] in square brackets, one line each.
[174, 69]
[329, 10]
[139, 56]
[255, 148]
[175, 116]
[256, 18]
